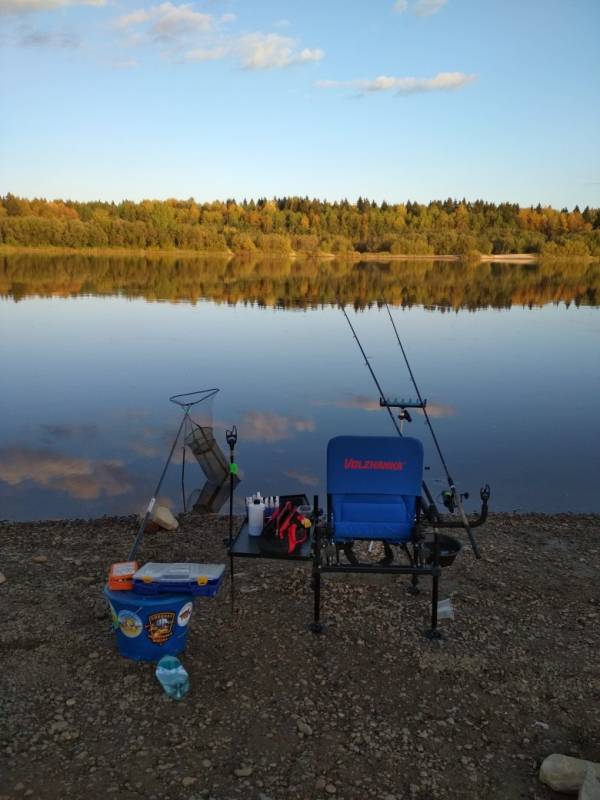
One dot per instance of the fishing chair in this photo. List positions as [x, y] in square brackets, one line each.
[374, 494]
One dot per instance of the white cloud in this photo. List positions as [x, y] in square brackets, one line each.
[442, 82]
[207, 54]
[135, 18]
[167, 20]
[25, 6]
[270, 50]
[172, 20]
[171, 23]
[258, 51]
[425, 8]
[422, 8]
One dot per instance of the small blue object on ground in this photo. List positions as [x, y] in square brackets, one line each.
[173, 677]
[147, 628]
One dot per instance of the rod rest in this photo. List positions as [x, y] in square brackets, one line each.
[474, 522]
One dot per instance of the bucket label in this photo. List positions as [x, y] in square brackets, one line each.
[160, 626]
[130, 624]
[184, 615]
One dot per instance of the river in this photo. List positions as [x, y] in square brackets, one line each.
[507, 355]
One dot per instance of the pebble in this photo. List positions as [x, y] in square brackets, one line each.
[39, 559]
[330, 788]
[188, 781]
[2, 578]
[59, 727]
[243, 772]
[304, 728]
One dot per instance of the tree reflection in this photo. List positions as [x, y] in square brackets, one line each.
[303, 282]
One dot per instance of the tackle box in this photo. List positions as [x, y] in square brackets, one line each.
[202, 580]
[120, 576]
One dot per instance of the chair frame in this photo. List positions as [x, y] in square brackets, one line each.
[323, 537]
[426, 513]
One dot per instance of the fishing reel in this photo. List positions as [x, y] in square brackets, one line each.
[449, 499]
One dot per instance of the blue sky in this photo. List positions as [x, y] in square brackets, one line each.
[414, 99]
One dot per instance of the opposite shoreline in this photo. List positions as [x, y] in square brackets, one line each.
[10, 250]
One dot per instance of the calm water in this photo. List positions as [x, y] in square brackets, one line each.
[507, 355]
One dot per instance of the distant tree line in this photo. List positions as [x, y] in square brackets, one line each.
[283, 225]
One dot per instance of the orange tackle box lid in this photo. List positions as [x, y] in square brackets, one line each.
[120, 576]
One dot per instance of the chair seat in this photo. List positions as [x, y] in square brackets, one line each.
[381, 531]
[383, 517]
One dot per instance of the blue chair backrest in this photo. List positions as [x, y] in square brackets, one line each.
[374, 465]
[374, 482]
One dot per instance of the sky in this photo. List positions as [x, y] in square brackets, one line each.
[386, 99]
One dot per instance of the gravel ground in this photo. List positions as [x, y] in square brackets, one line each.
[370, 709]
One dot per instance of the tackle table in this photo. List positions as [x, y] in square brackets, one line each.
[242, 545]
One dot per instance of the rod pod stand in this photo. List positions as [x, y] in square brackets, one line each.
[485, 493]
[186, 405]
[231, 438]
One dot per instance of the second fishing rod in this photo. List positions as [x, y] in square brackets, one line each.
[432, 510]
[454, 498]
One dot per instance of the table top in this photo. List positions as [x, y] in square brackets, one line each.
[246, 546]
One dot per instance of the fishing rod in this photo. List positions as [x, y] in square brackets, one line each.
[455, 497]
[432, 506]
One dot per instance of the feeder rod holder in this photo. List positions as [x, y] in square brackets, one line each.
[455, 492]
[231, 437]
[428, 494]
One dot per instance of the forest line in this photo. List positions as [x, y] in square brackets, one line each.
[283, 226]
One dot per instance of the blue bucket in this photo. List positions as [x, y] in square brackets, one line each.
[149, 628]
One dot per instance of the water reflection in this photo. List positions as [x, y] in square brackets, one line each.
[80, 478]
[85, 422]
[303, 283]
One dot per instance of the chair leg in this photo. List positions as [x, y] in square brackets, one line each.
[316, 626]
[434, 632]
[348, 549]
[388, 555]
[414, 562]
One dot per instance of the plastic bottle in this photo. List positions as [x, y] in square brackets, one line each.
[256, 518]
[445, 609]
[173, 677]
